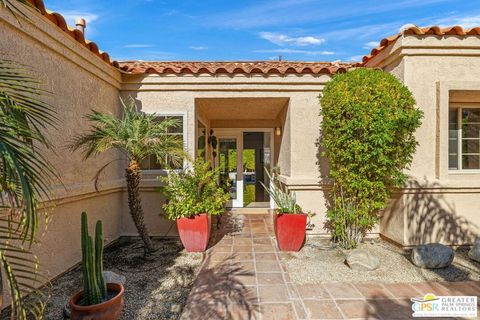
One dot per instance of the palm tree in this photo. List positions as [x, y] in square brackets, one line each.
[25, 177]
[137, 135]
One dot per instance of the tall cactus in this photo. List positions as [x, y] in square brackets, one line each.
[94, 286]
[99, 259]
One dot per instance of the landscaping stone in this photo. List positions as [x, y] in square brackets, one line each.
[362, 260]
[112, 277]
[474, 252]
[432, 256]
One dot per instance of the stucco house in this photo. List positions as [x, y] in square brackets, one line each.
[263, 114]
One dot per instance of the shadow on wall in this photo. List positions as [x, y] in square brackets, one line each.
[430, 217]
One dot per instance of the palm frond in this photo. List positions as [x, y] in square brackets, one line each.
[135, 133]
[25, 174]
[13, 6]
[25, 177]
[21, 270]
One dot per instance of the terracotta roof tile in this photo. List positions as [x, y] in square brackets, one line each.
[234, 67]
[427, 31]
[59, 20]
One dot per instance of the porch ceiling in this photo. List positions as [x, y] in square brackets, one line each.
[240, 108]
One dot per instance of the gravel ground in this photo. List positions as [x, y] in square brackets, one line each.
[156, 288]
[318, 262]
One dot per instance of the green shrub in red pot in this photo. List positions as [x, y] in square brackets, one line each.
[193, 196]
[98, 300]
[289, 221]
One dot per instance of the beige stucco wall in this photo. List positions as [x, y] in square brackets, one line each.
[437, 205]
[78, 81]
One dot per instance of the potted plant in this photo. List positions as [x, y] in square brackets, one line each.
[98, 300]
[289, 221]
[193, 196]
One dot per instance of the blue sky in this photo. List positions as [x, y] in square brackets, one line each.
[307, 30]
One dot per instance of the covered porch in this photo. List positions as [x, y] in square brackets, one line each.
[243, 137]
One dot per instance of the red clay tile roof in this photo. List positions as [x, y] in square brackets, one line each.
[414, 30]
[59, 20]
[234, 67]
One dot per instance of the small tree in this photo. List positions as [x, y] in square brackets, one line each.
[368, 125]
[137, 135]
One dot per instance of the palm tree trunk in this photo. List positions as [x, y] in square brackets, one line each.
[135, 204]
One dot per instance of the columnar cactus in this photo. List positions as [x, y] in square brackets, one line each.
[94, 286]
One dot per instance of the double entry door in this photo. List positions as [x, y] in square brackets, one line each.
[243, 155]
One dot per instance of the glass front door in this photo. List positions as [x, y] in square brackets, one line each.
[256, 153]
[228, 159]
[243, 157]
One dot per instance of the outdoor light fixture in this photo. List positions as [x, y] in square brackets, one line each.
[278, 131]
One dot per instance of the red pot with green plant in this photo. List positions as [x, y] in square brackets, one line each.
[193, 196]
[289, 221]
[194, 232]
[290, 229]
[98, 300]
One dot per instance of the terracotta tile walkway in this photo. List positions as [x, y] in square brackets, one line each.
[243, 278]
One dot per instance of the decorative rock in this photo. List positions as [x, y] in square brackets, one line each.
[362, 260]
[474, 252]
[112, 277]
[432, 256]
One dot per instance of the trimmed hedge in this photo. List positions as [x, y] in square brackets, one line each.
[368, 123]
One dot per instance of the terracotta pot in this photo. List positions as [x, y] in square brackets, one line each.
[194, 232]
[290, 230]
[108, 310]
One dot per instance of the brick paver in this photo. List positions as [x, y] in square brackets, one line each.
[243, 277]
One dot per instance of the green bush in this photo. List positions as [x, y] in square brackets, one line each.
[193, 192]
[367, 133]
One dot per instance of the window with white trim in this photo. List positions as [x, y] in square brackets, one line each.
[151, 162]
[464, 138]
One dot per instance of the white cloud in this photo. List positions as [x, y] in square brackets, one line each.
[306, 52]
[277, 13]
[355, 58]
[148, 55]
[281, 39]
[370, 45]
[178, 13]
[456, 20]
[71, 15]
[198, 48]
[138, 45]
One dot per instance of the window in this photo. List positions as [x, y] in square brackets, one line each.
[151, 162]
[464, 139]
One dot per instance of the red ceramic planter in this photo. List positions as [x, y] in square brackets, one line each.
[290, 230]
[194, 232]
[108, 310]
